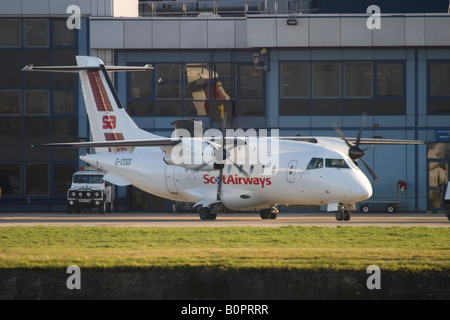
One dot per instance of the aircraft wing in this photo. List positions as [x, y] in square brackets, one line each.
[368, 141]
[386, 141]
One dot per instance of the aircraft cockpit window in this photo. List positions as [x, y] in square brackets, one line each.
[315, 163]
[336, 163]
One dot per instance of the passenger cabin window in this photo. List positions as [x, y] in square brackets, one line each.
[336, 163]
[315, 163]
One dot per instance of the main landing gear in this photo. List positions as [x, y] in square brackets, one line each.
[343, 215]
[271, 213]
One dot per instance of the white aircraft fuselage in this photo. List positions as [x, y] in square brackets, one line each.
[291, 183]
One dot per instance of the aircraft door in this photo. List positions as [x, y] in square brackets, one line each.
[290, 172]
[170, 179]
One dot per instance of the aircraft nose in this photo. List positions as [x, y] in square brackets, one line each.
[361, 189]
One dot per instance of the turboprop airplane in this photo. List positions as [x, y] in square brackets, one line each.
[238, 171]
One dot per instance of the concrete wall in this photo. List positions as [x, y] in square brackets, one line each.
[214, 284]
[271, 31]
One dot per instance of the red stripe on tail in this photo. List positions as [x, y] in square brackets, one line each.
[98, 89]
[115, 137]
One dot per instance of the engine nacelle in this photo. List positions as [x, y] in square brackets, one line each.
[192, 154]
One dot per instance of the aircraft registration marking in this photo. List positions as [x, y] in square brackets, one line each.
[123, 161]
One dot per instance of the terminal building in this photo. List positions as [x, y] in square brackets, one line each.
[300, 66]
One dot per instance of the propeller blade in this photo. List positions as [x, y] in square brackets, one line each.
[339, 131]
[224, 156]
[372, 173]
[361, 127]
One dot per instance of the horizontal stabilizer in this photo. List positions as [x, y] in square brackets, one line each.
[118, 143]
[76, 69]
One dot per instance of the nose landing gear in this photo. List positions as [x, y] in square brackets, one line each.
[343, 214]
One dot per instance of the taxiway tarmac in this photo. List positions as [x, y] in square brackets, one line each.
[223, 220]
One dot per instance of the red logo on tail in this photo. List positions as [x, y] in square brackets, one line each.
[109, 121]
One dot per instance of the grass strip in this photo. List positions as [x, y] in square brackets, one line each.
[415, 249]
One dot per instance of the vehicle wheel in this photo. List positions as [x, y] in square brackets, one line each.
[448, 216]
[364, 208]
[109, 207]
[339, 215]
[391, 208]
[273, 215]
[101, 208]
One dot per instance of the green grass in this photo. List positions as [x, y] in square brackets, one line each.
[414, 249]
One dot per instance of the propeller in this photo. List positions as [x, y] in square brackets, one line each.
[354, 151]
[221, 155]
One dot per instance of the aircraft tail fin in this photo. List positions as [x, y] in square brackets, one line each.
[107, 117]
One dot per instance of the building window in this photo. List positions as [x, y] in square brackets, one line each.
[61, 79]
[36, 131]
[36, 101]
[326, 88]
[389, 79]
[294, 88]
[64, 130]
[326, 79]
[439, 88]
[38, 57]
[438, 171]
[11, 138]
[62, 36]
[63, 102]
[10, 179]
[10, 101]
[9, 33]
[358, 80]
[62, 178]
[140, 84]
[168, 81]
[390, 96]
[10, 66]
[197, 87]
[358, 88]
[36, 179]
[36, 33]
[222, 78]
[294, 80]
[360, 92]
[250, 82]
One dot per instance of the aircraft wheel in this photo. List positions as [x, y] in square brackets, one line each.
[347, 215]
[339, 215]
[273, 215]
[205, 214]
[264, 214]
